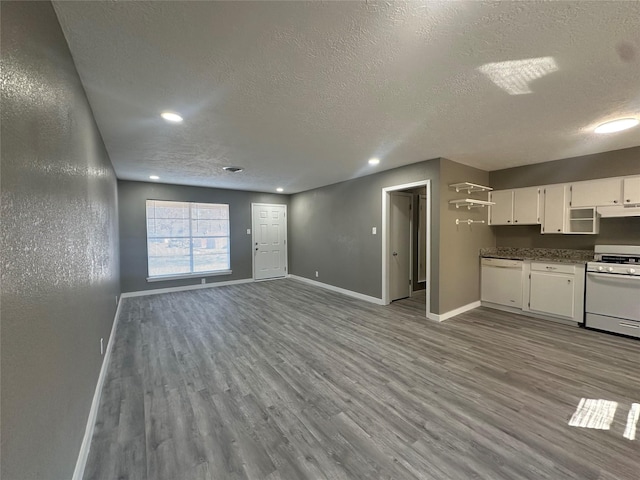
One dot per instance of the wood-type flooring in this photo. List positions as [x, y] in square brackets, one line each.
[282, 380]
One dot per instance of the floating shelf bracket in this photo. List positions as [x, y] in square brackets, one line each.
[470, 187]
[468, 221]
[470, 203]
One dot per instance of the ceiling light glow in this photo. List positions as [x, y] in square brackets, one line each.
[514, 76]
[617, 125]
[374, 161]
[279, 189]
[154, 177]
[171, 117]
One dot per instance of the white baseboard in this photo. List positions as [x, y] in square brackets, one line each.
[344, 291]
[452, 313]
[83, 455]
[157, 291]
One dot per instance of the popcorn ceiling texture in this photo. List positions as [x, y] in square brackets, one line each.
[59, 247]
[301, 94]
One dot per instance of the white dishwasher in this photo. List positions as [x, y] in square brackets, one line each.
[501, 282]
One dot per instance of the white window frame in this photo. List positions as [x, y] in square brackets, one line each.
[192, 274]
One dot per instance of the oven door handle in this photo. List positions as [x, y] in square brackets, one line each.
[613, 276]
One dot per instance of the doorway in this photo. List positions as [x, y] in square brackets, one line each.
[269, 240]
[400, 245]
[417, 254]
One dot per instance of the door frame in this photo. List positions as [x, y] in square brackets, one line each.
[386, 240]
[253, 236]
[411, 207]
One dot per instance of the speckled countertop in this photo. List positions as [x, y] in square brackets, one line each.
[539, 254]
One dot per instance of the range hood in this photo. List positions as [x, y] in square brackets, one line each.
[619, 211]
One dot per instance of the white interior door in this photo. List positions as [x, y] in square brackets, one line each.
[400, 246]
[269, 240]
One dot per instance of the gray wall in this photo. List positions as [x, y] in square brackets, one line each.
[59, 248]
[625, 231]
[133, 231]
[331, 230]
[460, 244]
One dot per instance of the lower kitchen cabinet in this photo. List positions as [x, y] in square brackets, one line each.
[549, 289]
[552, 293]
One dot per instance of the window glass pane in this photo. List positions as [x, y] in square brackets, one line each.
[178, 241]
[168, 256]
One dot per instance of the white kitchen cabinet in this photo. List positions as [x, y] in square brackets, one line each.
[501, 213]
[557, 290]
[526, 206]
[596, 193]
[520, 206]
[555, 209]
[631, 190]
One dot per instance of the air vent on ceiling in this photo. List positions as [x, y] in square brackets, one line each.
[233, 169]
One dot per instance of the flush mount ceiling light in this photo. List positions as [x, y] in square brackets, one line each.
[233, 169]
[617, 125]
[279, 189]
[154, 177]
[514, 76]
[374, 161]
[171, 117]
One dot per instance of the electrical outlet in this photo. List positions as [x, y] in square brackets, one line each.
[102, 346]
[203, 281]
[316, 273]
[374, 230]
[248, 231]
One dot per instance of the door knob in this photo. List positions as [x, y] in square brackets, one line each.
[395, 254]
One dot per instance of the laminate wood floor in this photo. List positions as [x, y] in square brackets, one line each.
[280, 380]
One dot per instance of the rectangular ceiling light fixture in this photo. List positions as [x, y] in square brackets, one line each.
[514, 76]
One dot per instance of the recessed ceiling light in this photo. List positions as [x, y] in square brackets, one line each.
[233, 169]
[374, 161]
[171, 117]
[617, 125]
[154, 177]
[279, 189]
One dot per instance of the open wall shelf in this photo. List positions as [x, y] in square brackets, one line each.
[470, 203]
[470, 187]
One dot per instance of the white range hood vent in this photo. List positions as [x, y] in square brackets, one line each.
[619, 211]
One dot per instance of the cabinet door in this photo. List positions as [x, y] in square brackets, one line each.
[502, 212]
[526, 202]
[631, 189]
[596, 193]
[552, 293]
[555, 209]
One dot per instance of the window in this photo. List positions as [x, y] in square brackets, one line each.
[185, 238]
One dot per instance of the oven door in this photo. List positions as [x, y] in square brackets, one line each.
[613, 295]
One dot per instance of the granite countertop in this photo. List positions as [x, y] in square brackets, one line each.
[539, 254]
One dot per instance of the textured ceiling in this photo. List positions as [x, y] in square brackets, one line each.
[301, 94]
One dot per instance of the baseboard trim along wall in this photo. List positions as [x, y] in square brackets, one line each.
[344, 291]
[158, 291]
[81, 463]
[452, 313]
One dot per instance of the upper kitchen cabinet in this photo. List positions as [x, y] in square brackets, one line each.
[555, 208]
[631, 191]
[597, 193]
[520, 206]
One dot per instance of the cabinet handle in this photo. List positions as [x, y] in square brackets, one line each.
[615, 201]
[559, 229]
[629, 325]
[628, 200]
[515, 221]
[508, 221]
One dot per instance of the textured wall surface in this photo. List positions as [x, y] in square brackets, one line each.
[133, 230]
[331, 230]
[59, 248]
[613, 231]
[460, 244]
